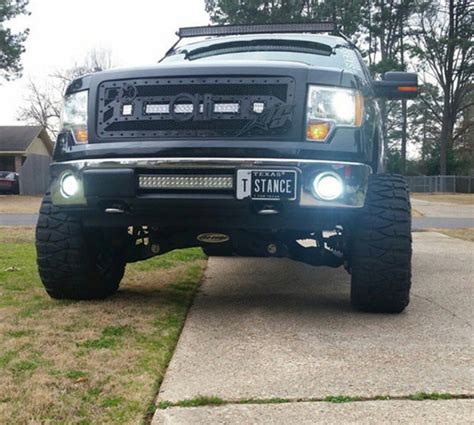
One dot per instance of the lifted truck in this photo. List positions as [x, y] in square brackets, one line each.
[261, 140]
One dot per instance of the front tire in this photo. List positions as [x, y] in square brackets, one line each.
[75, 262]
[381, 247]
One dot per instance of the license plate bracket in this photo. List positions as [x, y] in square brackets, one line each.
[267, 184]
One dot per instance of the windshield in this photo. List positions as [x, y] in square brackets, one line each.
[314, 54]
[7, 175]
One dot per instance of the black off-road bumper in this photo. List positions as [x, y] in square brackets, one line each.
[111, 193]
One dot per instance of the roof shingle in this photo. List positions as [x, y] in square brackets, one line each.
[17, 138]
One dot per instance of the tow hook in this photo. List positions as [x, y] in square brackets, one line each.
[276, 249]
[272, 249]
[116, 207]
[268, 210]
[114, 211]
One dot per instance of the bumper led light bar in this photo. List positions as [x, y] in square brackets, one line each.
[183, 182]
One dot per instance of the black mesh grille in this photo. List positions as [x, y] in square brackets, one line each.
[168, 125]
[125, 108]
[276, 90]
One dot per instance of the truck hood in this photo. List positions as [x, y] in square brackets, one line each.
[300, 71]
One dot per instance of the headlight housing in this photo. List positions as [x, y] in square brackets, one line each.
[329, 107]
[74, 115]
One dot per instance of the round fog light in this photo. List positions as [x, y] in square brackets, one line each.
[328, 186]
[69, 185]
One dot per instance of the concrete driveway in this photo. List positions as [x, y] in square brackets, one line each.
[262, 329]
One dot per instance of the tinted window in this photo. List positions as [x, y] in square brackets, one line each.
[342, 57]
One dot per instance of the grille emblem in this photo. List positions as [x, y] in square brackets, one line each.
[186, 107]
[213, 238]
[273, 118]
[127, 93]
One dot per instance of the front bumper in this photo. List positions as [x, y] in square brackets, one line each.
[112, 185]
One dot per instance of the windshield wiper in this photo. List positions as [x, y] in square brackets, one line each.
[259, 45]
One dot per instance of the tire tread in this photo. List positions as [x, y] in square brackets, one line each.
[381, 248]
[64, 266]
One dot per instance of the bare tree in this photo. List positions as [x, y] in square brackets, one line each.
[385, 21]
[42, 104]
[42, 107]
[96, 60]
[445, 48]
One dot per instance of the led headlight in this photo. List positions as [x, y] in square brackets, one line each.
[329, 107]
[74, 115]
[328, 186]
[69, 185]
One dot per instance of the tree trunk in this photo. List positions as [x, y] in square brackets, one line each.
[443, 148]
[384, 55]
[447, 127]
[403, 162]
[383, 114]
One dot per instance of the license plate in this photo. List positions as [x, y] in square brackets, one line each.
[267, 185]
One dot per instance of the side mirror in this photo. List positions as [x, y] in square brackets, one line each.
[397, 86]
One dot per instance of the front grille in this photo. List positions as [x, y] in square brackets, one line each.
[196, 107]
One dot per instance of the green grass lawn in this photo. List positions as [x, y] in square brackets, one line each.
[88, 362]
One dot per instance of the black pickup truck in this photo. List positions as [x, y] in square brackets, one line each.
[260, 140]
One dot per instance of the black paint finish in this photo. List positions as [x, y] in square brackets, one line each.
[344, 143]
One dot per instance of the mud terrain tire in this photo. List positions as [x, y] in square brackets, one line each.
[75, 262]
[381, 247]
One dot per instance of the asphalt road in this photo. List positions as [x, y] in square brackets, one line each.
[443, 209]
[267, 328]
[423, 223]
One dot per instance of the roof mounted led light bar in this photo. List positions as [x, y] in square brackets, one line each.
[222, 30]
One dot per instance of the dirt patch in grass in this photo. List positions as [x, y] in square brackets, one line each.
[466, 234]
[453, 198]
[415, 213]
[88, 362]
[15, 204]
[13, 234]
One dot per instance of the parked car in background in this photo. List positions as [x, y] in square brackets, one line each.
[9, 182]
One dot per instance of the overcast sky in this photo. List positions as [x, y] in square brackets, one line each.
[137, 32]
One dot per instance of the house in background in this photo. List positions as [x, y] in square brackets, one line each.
[28, 151]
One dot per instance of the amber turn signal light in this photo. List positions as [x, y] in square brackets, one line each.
[411, 89]
[318, 131]
[80, 135]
